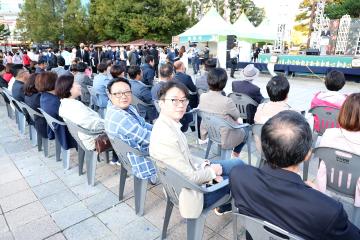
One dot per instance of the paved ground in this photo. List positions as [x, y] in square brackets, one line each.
[40, 200]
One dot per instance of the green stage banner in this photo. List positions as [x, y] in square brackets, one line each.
[306, 60]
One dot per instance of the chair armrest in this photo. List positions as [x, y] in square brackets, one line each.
[215, 187]
[237, 126]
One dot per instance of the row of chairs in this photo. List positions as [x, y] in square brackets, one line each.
[173, 182]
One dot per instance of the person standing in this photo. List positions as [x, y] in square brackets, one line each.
[155, 54]
[234, 53]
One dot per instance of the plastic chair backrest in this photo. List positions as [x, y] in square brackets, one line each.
[327, 117]
[5, 97]
[213, 123]
[30, 112]
[157, 106]
[50, 120]
[259, 229]
[173, 181]
[74, 129]
[342, 169]
[93, 95]
[121, 148]
[136, 102]
[242, 101]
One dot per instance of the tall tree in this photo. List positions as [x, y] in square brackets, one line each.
[40, 20]
[131, 19]
[4, 32]
[339, 8]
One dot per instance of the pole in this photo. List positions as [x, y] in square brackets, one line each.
[312, 17]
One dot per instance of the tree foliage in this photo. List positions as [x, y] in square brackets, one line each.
[303, 18]
[4, 32]
[53, 20]
[132, 19]
[339, 8]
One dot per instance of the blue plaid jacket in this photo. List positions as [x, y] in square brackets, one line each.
[130, 127]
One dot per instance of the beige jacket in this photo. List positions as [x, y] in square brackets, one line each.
[169, 145]
[267, 110]
[215, 102]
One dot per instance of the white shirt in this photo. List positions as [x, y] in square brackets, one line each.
[234, 53]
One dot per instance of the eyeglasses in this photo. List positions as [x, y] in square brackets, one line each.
[120, 94]
[176, 102]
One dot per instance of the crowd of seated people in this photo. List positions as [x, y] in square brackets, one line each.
[274, 192]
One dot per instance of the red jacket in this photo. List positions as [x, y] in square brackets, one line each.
[26, 59]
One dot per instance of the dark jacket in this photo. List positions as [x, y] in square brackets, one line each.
[281, 197]
[148, 74]
[85, 57]
[18, 91]
[144, 94]
[155, 53]
[50, 104]
[40, 124]
[187, 81]
[84, 81]
[253, 91]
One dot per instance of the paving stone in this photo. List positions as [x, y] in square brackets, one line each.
[18, 146]
[89, 229]
[49, 188]
[218, 237]
[216, 223]
[179, 232]
[35, 169]
[17, 200]
[9, 175]
[25, 214]
[156, 216]
[10, 188]
[71, 177]
[111, 181]
[227, 231]
[128, 190]
[118, 217]
[58, 236]
[37, 229]
[41, 178]
[101, 201]
[151, 201]
[84, 190]
[3, 226]
[6, 236]
[59, 200]
[71, 215]
[137, 229]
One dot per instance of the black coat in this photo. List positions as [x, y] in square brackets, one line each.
[18, 91]
[187, 81]
[40, 124]
[85, 57]
[281, 197]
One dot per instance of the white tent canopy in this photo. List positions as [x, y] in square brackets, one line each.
[267, 30]
[208, 28]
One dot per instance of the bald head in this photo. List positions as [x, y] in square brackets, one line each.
[179, 66]
[286, 139]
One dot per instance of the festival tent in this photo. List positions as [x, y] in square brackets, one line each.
[267, 31]
[211, 29]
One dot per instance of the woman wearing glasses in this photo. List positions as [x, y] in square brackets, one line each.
[124, 122]
[168, 144]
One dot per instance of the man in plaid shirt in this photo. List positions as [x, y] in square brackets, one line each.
[123, 121]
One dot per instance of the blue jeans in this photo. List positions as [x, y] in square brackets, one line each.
[211, 198]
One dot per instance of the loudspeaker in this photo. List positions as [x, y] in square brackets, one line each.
[312, 51]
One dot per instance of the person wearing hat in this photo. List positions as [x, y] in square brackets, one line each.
[245, 86]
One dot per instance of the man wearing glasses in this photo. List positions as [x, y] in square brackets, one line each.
[124, 122]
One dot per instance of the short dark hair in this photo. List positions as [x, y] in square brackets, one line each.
[73, 68]
[45, 81]
[334, 80]
[149, 58]
[278, 88]
[63, 86]
[286, 139]
[172, 84]
[349, 116]
[210, 64]
[116, 70]
[134, 71]
[42, 60]
[116, 80]
[166, 70]
[217, 79]
[29, 85]
[101, 67]
[81, 67]
[60, 61]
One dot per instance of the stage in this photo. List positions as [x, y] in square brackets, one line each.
[302, 64]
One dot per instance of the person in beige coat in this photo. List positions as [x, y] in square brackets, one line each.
[168, 145]
[215, 102]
